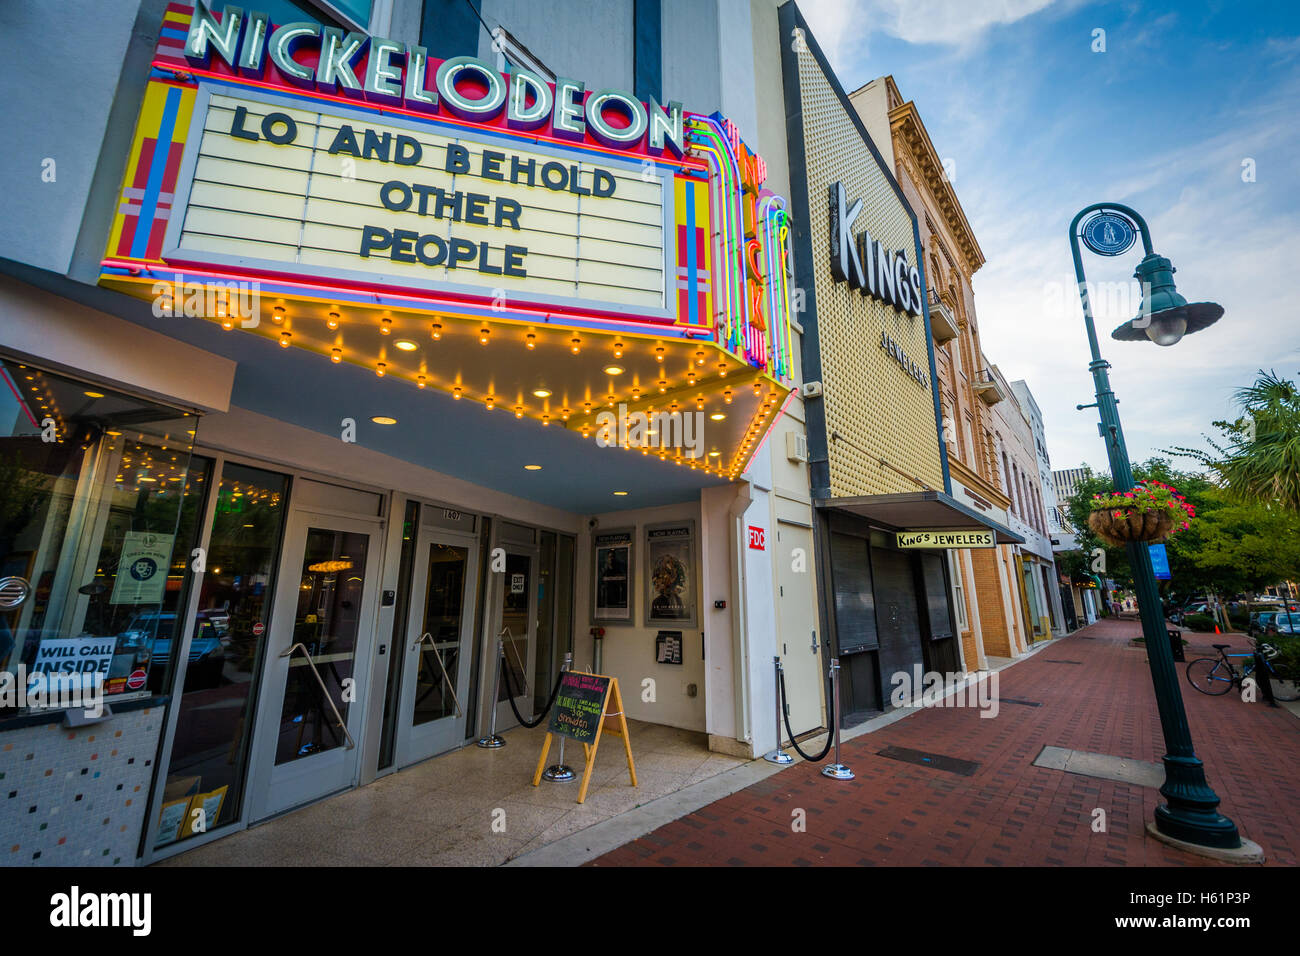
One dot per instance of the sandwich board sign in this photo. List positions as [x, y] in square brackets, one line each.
[581, 706]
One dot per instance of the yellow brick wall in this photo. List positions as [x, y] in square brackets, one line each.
[869, 399]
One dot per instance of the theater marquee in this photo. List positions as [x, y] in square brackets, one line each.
[400, 213]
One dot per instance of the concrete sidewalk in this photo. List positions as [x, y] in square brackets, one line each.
[1089, 696]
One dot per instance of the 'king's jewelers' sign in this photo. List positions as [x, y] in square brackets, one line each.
[946, 539]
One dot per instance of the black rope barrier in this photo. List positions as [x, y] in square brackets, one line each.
[510, 696]
[830, 734]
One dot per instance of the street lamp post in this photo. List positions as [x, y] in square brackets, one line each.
[1191, 812]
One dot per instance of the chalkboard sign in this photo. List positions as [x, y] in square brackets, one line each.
[578, 706]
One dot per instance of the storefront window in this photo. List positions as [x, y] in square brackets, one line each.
[95, 526]
[208, 756]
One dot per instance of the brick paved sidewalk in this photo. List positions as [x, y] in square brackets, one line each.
[1009, 812]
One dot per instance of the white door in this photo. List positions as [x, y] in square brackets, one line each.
[798, 642]
[514, 619]
[322, 633]
[435, 673]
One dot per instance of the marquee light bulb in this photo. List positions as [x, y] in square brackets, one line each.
[483, 334]
[455, 392]
[333, 321]
[618, 350]
[530, 340]
[381, 368]
[419, 381]
[576, 346]
[436, 328]
[284, 340]
[385, 326]
[336, 356]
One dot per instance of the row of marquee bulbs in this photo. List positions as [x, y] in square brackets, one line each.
[530, 341]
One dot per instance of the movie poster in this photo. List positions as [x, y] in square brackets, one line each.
[670, 574]
[613, 582]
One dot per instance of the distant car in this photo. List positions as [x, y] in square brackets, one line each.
[1182, 614]
[150, 635]
[1283, 622]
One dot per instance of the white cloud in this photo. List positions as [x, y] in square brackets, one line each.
[844, 26]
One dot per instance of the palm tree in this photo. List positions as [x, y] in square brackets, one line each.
[1259, 459]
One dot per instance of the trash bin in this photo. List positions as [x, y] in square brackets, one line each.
[1176, 645]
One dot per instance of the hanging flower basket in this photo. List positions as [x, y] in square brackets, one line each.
[1151, 512]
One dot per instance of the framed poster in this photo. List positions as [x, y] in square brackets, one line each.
[613, 575]
[142, 568]
[670, 574]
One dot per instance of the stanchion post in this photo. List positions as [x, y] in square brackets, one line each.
[560, 772]
[492, 741]
[837, 770]
[778, 755]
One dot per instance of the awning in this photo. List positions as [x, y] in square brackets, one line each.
[920, 511]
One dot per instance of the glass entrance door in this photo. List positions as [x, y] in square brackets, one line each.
[435, 675]
[322, 631]
[515, 621]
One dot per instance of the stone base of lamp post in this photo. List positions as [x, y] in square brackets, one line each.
[1248, 852]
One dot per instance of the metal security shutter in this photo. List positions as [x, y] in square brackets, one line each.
[855, 617]
[897, 614]
[936, 596]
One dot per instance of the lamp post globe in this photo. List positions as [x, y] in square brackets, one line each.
[1164, 316]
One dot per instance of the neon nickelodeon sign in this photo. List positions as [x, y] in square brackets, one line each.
[385, 72]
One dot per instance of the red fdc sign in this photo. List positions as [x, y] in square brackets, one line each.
[757, 538]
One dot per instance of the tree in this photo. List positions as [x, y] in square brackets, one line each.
[1258, 454]
[1232, 546]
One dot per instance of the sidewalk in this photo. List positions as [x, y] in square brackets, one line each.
[1087, 692]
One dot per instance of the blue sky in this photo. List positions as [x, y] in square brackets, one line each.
[1036, 125]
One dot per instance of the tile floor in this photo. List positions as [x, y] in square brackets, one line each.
[441, 812]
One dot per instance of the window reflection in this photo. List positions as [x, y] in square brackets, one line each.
[92, 507]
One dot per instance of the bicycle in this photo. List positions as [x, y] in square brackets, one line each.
[1217, 675]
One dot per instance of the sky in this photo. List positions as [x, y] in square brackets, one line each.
[1188, 112]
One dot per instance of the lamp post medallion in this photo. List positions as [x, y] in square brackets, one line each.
[1109, 233]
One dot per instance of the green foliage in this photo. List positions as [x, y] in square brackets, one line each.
[1258, 455]
[1234, 546]
[1199, 622]
[1287, 663]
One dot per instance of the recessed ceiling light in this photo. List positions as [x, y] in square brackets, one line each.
[383, 420]
[406, 345]
[532, 467]
[714, 454]
[94, 394]
[717, 416]
[542, 392]
[613, 370]
[620, 493]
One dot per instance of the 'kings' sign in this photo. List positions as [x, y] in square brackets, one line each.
[865, 264]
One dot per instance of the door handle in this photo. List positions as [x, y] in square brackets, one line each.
[324, 692]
